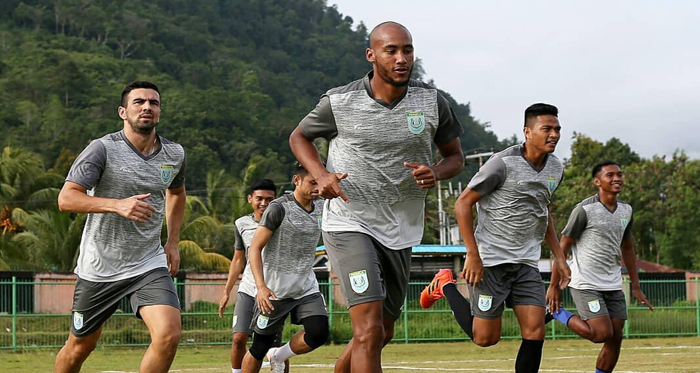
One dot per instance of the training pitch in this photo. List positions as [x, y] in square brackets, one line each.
[566, 355]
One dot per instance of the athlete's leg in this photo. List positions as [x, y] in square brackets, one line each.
[238, 349]
[487, 332]
[75, 352]
[254, 357]
[343, 363]
[610, 353]
[368, 337]
[164, 326]
[596, 330]
[532, 329]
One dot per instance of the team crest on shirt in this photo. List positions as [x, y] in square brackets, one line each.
[359, 281]
[416, 122]
[594, 306]
[77, 320]
[166, 174]
[262, 321]
[551, 184]
[485, 302]
[624, 221]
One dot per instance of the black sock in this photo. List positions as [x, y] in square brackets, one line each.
[460, 308]
[529, 356]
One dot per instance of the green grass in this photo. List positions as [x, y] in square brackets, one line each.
[571, 355]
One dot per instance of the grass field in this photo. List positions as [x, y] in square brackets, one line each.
[569, 355]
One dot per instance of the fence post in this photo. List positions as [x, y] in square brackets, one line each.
[697, 304]
[330, 304]
[627, 299]
[14, 313]
[405, 319]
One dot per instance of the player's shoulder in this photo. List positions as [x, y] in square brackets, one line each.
[244, 220]
[623, 204]
[511, 151]
[589, 202]
[170, 144]
[357, 85]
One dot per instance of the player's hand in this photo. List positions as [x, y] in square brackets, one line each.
[424, 175]
[564, 273]
[637, 292]
[172, 255]
[263, 299]
[553, 297]
[222, 304]
[473, 270]
[329, 185]
[133, 208]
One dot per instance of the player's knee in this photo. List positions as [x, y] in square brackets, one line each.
[315, 331]
[485, 340]
[169, 339]
[81, 347]
[261, 344]
[388, 336]
[370, 334]
[602, 335]
[240, 339]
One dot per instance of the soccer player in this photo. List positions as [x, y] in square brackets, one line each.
[381, 129]
[599, 234]
[513, 190]
[262, 192]
[127, 182]
[289, 232]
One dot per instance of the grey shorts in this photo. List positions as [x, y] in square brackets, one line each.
[506, 284]
[310, 305]
[243, 314]
[369, 271]
[592, 303]
[95, 302]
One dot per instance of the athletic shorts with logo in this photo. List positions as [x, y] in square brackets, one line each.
[95, 302]
[592, 303]
[299, 309]
[243, 316]
[369, 271]
[506, 285]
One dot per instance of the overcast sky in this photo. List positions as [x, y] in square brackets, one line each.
[625, 69]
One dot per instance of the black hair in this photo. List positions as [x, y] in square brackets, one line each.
[597, 168]
[263, 184]
[136, 85]
[299, 170]
[535, 110]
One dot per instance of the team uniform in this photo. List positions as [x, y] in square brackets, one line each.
[512, 221]
[288, 260]
[369, 239]
[596, 280]
[245, 303]
[119, 257]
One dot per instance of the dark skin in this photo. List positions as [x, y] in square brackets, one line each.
[541, 136]
[391, 55]
[604, 329]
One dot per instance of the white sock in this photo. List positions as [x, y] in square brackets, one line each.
[234, 370]
[284, 353]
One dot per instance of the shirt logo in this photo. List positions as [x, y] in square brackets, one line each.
[623, 220]
[416, 122]
[359, 281]
[166, 174]
[594, 306]
[551, 184]
[485, 302]
[77, 320]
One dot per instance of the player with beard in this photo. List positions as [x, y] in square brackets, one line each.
[513, 190]
[127, 182]
[380, 164]
[599, 234]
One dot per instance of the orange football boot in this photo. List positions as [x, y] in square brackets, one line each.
[433, 291]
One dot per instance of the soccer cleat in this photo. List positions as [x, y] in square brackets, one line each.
[275, 366]
[433, 291]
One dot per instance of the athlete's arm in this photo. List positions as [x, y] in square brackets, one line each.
[175, 200]
[553, 292]
[234, 271]
[473, 267]
[450, 165]
[305, 152]
[73, 198]
[550, 237]
[260, 239]
[629, 255]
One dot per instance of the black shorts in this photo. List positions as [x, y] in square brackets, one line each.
[273, 323]
[95, 302]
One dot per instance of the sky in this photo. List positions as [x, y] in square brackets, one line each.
[625, 69]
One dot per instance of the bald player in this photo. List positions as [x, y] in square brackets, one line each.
[380, 130]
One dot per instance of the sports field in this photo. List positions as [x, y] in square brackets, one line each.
[638, 355]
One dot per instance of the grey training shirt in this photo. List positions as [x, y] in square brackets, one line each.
[513, 210]
[114, 248]
[596, 255]
[245, 230]
[370, 140]
[288, 258]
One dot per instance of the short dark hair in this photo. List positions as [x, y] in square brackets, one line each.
[535, 110]
[263, 184]
[136, 85]
[299, 170]
[597, 168]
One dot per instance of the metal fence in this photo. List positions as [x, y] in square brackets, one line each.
[27, 320]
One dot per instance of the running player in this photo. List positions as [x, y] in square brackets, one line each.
[289, 232]
[262, 192]
[381, 129]
[599, 234]
[127, 182]
[513, 190]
